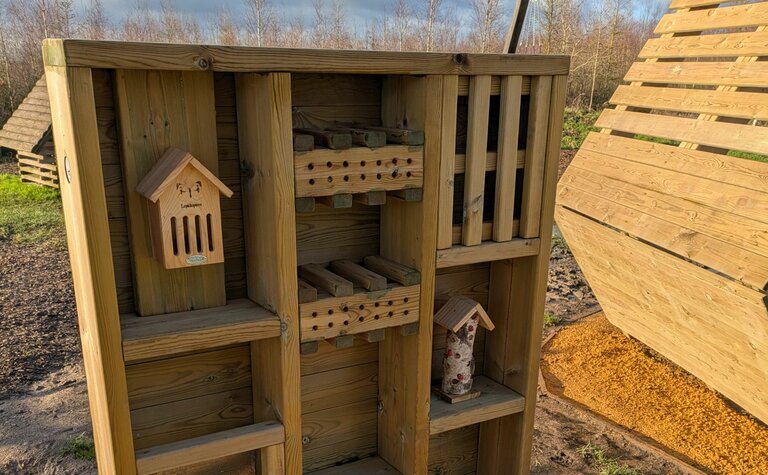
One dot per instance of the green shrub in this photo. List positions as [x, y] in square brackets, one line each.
[577, 125]
[81, 447]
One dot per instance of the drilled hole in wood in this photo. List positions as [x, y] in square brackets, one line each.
[311, 166]
[394, 161]
[329, 164]
[346, 177]
[361, 319]
[346, 164]
[361, 307]
[345, 308]
[330, 311]
[375, 317]
[378, 163]
[330, 179]
[391, 313]
[405, 300]
[314, 327]
[376, 304]
[405, 312]
[311, 181]
[394, 174]
[378, 176]
[330, 324]
[362, 163]
[314, 314]
[409, 161]
[346, 322]
[362, 177]
[389, 303]
[408, 174]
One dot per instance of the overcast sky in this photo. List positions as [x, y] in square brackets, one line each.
[360, 13]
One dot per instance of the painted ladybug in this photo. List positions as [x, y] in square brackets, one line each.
[450, 353]
[471, 328]
[460, 377]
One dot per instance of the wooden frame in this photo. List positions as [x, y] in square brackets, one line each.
[232, 364]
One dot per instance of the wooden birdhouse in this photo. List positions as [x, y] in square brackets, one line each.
[461, 317]
[185, 211]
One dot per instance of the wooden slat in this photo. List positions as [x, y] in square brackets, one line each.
[354, 233]
[737, 16]
[164, 335]
[707, 46]
[264, 101]
[506, 169]
[85, 212]
[368, 466]
[158, 110]
[307, 293]
[744, 105]
[705, 235]
[535, 156]
[701, 73]
[454, 452]
[37, 164]
[490, 251]
[447, 162]
[477, 148]
[686, 4]
[362, 312]
[326, 280]
[359, 275]
[718, 319]
[339, 387]
[720, 168]
[490, 161]
[392, 270]
[127, 55]
[358, 170]
[495, 401]
[728, 136]
[209, 447]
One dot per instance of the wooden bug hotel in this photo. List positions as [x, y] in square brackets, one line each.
[365, 187]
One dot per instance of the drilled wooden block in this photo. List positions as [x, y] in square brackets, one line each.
[359, 313]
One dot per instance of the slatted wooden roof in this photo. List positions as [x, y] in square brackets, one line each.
[673, 236]
[29, 126]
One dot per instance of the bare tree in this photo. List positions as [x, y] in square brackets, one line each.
[94, 25]
[486, 34]
[225, 29]
[260, 23]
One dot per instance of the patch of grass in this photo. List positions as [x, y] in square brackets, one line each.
[577, 125]
[606, 465]
[550, 319]
[660, 140]
[80, 447]
[748, 156]
[29, 213]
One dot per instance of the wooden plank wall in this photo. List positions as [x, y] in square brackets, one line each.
[688, 272]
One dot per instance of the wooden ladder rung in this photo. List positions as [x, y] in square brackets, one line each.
[162, 335]
[209, 447]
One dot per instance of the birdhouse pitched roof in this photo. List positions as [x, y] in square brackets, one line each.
[165, 171]
[458, 310]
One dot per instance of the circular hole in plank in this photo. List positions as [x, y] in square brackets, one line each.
[311, 181]
[345, 164]
[311, 166]
[329, 164]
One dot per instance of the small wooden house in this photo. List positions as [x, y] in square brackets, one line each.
[457, 312]
[185, 210]
[28, 134]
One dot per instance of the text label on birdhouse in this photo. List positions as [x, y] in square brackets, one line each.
[185, 211]
[460, 316]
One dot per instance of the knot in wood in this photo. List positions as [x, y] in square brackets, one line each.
[459, 58]
[203, 63]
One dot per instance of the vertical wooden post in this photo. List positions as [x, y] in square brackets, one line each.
[265, 133]
[535, 156]
[517, 296]
[447, 162]
[404, 359]
[506, 161]
[76, 135]
[477, 150]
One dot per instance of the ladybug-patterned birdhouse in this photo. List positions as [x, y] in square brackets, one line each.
[185, 211]
[460, 316]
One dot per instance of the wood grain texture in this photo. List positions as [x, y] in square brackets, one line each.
[700, 73]
[447, 163]
[165, 335]
[506, 168]
[737, 16]
[477, 147]
[454, 452]
[112, 54]
[707, 46]
[84, 203]
[721, 321]
[264, 117]
[354, 232]
[209, 447]
[535, 156]
[370, 465]
[490, 251]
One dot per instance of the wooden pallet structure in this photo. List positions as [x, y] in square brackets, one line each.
[673, 237]
[367, 188]
[28, 133]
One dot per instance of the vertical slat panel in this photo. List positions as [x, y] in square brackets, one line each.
[516, 303]
[84, 202]
[157, 110]
[535, 156]
[477, 148]
[506, 162]
[264, 123]
[447, 162]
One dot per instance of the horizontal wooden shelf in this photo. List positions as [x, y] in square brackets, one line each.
[349, 298]
[487, 252]
[209, 447]
[161, 335]
[367, 466]
[358, 170]
[495, 401]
